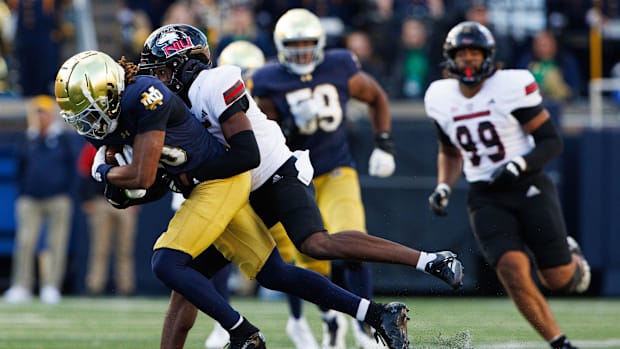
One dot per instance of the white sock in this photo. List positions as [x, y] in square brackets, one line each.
[425, 257]
[362, 309]
[238, 323]
[328, 315]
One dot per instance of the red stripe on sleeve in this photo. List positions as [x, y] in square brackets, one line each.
[531, 88]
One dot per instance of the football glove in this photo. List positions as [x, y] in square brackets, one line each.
[304, 112]
[381, 163]
[438, 200]
[125, 159]
[100, 169]
[509, 172]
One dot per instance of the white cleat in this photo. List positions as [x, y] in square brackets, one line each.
[218, 338]
[299, 332]
[50, 295]
[334, 330]
[364, 337]
[17, 295]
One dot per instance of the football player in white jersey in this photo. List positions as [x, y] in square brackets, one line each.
[492, 126]
[282, 188]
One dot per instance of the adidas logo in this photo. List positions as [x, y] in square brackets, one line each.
[275, 178]
[532, 191]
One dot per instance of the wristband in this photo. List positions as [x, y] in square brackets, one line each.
[383, 140]
[102, 172]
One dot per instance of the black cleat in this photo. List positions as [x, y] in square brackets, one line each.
[446, 267]
[584, 268]
[255, 341]
[393, 329]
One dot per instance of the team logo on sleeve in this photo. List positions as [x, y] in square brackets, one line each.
[152, 98]
[531, 88]
[234, 92]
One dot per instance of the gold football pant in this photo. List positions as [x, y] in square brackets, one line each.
[218, 212]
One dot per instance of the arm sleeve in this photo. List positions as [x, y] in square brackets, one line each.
[548, 146]
[242, 156]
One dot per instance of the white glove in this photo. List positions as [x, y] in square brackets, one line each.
[98, 161]
[125, 159]
[381, 163]
[304, 112]
[304, 166]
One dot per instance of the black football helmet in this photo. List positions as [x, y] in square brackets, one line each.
[172, 46]
[470, 35]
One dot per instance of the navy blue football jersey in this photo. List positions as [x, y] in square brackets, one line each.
[148, 105]
[328, 87]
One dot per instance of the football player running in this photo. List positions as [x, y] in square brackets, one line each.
[109, 105]
[282, 189]
[306, 92]
[492, 126]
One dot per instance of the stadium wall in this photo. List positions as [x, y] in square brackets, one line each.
[397, 209]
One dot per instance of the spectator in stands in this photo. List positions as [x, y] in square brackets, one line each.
[478, 11]
[240, 24]
[556, 71]
[46, 169]
[38, 35]
[111, 231]
[412, 65]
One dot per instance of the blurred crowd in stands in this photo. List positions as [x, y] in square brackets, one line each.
[397, 41]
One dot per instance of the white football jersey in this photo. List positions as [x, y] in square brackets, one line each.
[482, 127]
[213, 91]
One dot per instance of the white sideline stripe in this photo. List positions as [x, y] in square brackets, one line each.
[607, 343]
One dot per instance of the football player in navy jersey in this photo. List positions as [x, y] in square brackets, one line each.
[492, 126]
[307, 92]
[282, 189]
[109, 105]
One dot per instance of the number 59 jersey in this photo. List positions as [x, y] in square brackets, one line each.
[327, 89]
[483, 126]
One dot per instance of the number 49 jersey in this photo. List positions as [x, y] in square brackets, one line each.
[483, 126]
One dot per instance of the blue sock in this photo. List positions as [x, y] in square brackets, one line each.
[309, 285]
[358, 277]
[220, 281]
[171, 267]
[294, 304]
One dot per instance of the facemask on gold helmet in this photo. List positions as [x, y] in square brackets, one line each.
[293, 29]
[88, 90]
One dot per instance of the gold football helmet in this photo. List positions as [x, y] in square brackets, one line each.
[243, 54]
[293, 32]
[88, 90]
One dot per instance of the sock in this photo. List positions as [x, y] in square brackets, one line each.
[220, 281]
[560, 342]
[172, 268]
[425, 257]
[243, 330]
[309, 285]
[294, 304]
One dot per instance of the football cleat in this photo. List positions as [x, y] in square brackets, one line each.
[447, 268]
[334, 330]
[584, 279]
[255, 341]
[364, 336]
[299, 332]
[393, 328]
[218, 337]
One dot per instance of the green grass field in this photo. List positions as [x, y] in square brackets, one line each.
[436, 322]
